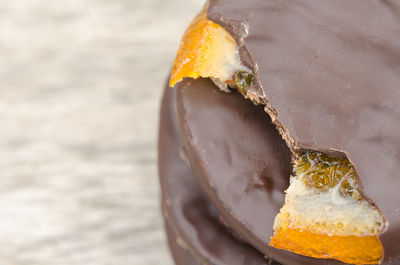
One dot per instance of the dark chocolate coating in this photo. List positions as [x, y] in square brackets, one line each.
[181, 255]
[329, 72]
[240, 160]
[185, 206]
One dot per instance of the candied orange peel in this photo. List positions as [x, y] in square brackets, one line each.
[206, 50]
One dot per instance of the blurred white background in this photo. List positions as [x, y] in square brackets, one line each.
[80, 85]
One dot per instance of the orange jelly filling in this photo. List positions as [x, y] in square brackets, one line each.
[349, 249]
[206, 50]
[321, 174]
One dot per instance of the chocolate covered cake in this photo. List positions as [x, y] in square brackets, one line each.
[280, 134]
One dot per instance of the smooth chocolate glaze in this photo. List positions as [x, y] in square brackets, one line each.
[329, 74]
[185, 206]
[181, 255]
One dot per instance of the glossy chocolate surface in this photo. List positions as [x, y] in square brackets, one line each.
[181, 255]
[185, 206]
[329, 72]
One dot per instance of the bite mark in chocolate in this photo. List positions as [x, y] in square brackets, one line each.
[231, 144]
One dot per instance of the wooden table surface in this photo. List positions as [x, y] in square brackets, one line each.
[80, 85]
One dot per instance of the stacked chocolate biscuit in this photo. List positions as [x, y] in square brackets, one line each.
[322, 81]
[195, 233]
